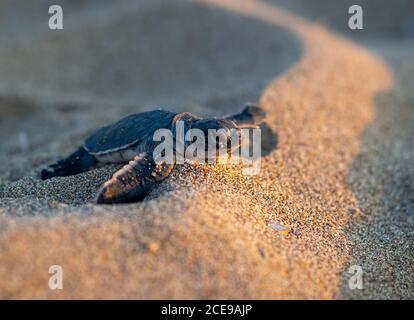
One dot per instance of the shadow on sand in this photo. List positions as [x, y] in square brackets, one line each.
[382, 179]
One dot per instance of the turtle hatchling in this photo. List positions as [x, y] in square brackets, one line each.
[130, 141]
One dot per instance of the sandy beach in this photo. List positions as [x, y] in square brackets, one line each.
[337, 167]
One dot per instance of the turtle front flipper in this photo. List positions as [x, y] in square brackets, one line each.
[251, 115]
[78, 162]
[134, 181]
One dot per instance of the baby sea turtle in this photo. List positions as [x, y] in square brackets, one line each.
[130, 141]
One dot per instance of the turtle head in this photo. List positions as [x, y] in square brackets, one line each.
[219, 133]
[212, 135]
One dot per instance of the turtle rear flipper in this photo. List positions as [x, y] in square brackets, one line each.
[252, 114]
[134, 181]
[78, 162]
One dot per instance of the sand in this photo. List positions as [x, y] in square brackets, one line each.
[336, 171]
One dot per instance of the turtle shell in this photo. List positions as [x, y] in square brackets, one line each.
[128, 131]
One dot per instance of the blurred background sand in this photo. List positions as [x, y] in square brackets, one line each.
[338, 170]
